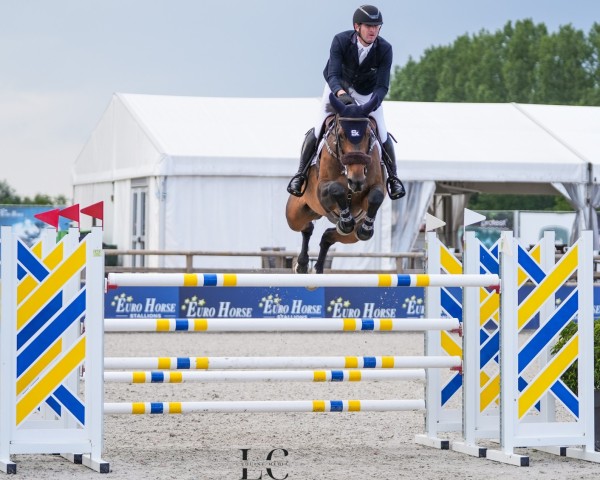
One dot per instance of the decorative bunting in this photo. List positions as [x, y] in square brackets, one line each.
[95, 211]
[50, 217]
[72, 213]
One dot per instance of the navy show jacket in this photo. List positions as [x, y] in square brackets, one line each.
[371, 76]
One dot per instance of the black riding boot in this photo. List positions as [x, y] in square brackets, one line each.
[394, 185]
[309, 147]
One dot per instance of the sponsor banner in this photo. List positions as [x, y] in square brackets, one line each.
[256, 302]
[24, 224]
[142, 302]
[489, 230]
[397, 302]
[250, 302]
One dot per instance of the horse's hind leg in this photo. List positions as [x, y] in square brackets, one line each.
[365, 231]
[302, 264]
[327, 240]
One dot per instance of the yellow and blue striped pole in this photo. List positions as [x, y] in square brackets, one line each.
[265, 376]
[223, 363]
[267, 406]
[278, 324]
[294, 280]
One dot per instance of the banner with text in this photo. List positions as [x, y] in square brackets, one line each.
[273, 302]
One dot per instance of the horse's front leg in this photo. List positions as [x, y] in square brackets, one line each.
[337, 192]
[302, 263]
[375, 199]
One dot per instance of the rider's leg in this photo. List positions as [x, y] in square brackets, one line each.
[309, 147]
[395, 186]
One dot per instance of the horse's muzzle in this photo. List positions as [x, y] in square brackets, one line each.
[355, 186]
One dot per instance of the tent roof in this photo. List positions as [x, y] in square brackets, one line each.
[223, 127]
[578, 128]
[445, 142]
[479, 142]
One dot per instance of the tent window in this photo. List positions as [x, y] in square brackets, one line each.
[135, 214]
[139, 197]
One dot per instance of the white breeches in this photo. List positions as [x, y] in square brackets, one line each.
[377, 115]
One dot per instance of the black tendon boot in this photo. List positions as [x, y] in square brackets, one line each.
[309, 147]
[395, 187]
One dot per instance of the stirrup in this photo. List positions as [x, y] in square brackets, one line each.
[303, 179]
[395, 180]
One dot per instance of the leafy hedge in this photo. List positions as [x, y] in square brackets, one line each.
[570, 375]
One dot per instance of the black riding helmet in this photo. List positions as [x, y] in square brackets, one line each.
[367, 14]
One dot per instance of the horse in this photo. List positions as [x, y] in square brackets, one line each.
[346, 185]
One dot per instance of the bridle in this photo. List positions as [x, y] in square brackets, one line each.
[334, 128]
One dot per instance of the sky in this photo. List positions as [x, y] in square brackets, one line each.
[62, 60]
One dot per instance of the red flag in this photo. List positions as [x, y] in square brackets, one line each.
[72, 212]
[95, 211]
[50, 217]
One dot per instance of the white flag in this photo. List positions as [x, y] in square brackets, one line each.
[431, 222]
[472, 217]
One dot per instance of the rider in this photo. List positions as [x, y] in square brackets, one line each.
[359, 66]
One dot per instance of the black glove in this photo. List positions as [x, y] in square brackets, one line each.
[346, 99]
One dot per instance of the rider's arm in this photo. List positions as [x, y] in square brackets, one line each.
[333, 70]
[382, 83]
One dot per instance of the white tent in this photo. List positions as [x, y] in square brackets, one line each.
[194, 173]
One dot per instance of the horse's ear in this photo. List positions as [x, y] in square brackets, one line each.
[336, 104]
[370, 105]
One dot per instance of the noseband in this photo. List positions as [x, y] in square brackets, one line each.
[356, 158]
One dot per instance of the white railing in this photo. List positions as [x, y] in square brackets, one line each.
[272, 260]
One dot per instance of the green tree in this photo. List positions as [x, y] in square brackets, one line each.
[481, 201]
[521, 63]
[562, 75]
[522, 44]
[8, 196]
[593, 40]
[419, 81]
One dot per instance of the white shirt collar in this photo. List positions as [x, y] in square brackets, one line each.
[362, 50]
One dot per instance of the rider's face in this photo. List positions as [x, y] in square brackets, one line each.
[367, 33]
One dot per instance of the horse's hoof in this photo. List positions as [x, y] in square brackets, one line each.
[364, 235]
[300, 268]
[345, 228]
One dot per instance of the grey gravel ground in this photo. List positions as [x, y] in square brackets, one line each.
[336, 446]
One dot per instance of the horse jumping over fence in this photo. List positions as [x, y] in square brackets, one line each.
[346, 185]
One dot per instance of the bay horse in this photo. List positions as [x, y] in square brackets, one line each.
[346, 185]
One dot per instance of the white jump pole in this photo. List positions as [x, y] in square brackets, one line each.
[237, 376]
[294, 280]
[206, 363]
[273, 406]
[278, 324]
